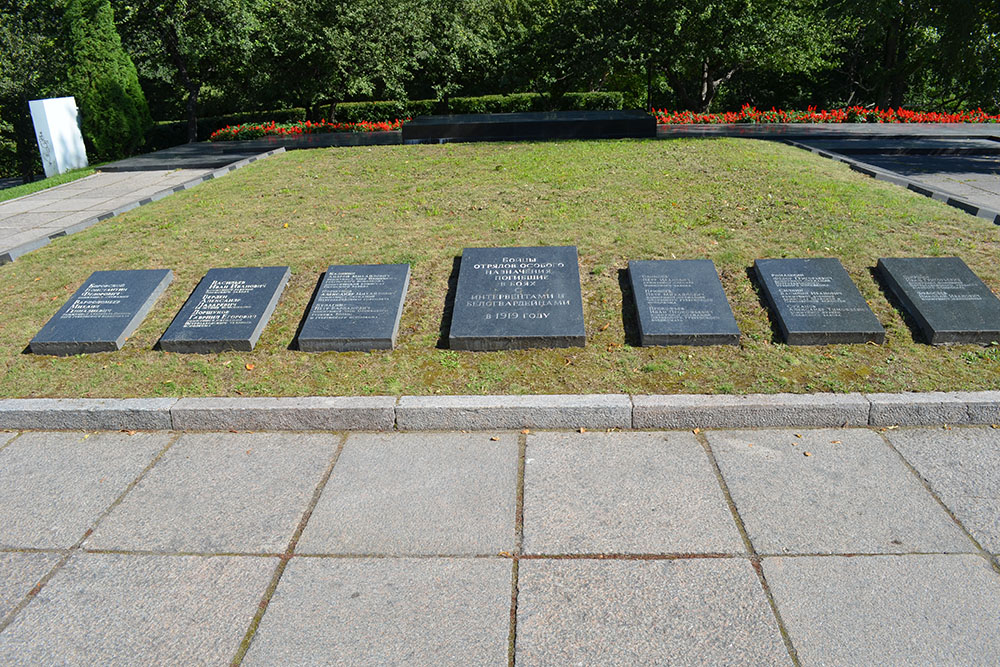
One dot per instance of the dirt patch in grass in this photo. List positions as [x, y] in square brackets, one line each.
[728, 200]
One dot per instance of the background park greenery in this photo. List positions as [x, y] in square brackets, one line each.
[129, 62]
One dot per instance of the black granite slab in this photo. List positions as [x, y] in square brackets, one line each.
[356, 308]
[530, 126]
[228, 310]
[947, 301]
[514, 298]
[103, 313]
[681, 302]
[815, 302]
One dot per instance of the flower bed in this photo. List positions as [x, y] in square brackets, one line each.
[749, 114]
[273, 129]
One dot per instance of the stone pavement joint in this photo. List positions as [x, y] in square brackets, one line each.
[808, 596]
[477, 413]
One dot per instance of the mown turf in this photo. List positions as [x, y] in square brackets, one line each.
[44, 184]
[729, 200]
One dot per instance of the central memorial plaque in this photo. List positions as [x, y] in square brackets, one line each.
[227, 311]
[356, 308]
[816, 303]
[948, 302]
[514, 298]
[103, 313]
[681, 302]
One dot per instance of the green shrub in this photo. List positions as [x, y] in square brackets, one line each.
[354, 112]
[113, 110]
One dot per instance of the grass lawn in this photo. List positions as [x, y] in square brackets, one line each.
[729, 200]
[44, 184]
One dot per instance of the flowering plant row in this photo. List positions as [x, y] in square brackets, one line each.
[273, 129]
[749, 114]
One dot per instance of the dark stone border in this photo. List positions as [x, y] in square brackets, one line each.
[8, 256]
[895, 178]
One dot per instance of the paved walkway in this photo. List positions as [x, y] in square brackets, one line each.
[825, 546]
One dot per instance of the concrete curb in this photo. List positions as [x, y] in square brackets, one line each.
[924, 189]
[7, 256]
[422, 413]
[100, 414]
[317, 413]
[753, 410]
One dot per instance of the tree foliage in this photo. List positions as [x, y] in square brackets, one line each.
[102, 78]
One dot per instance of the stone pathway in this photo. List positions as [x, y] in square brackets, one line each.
[783, 546]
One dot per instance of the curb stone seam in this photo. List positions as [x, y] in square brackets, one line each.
[571, 411]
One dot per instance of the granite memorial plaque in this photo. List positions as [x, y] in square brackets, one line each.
[227, 311]
[103, 313]
[681, 302]
[816, 303]
[948, 302]
[356, 308]
[514, 298]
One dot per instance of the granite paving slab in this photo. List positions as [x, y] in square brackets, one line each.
[631, 493]
[399, 611]
[19, 573]
[220, 493]
[962, 466]
[54, 486]
[629, 612]
[442, 493]
[889, 610]
[830, 491]
[115, 609]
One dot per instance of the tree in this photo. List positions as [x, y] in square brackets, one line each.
[31, 56]
[703, 44]
[189, 44]
[327, 51]
[104, 81]
[464, 40]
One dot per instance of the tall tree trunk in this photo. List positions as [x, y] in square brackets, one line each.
[192, 111]
[27, 146]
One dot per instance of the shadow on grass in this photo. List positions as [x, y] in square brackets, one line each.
[630, 320]
[894, 301]
[294, 345]
[765, 304]
[449, 305]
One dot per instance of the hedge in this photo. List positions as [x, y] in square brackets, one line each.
[353, 112]
[173, 132]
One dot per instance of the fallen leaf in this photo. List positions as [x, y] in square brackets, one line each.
[835, 442]
[285, 225]
[605, 326]
[494, 438]
[526, 431]
[250, 367]
[128, 432]
[798, 435]
[696, 431]
[806, 454]
[581, 430]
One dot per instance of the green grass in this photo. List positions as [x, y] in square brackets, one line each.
[44, 184]
[729, 200]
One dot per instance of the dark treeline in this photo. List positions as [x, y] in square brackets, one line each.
[212, 57]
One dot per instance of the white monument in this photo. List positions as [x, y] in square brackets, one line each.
[57, 128]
